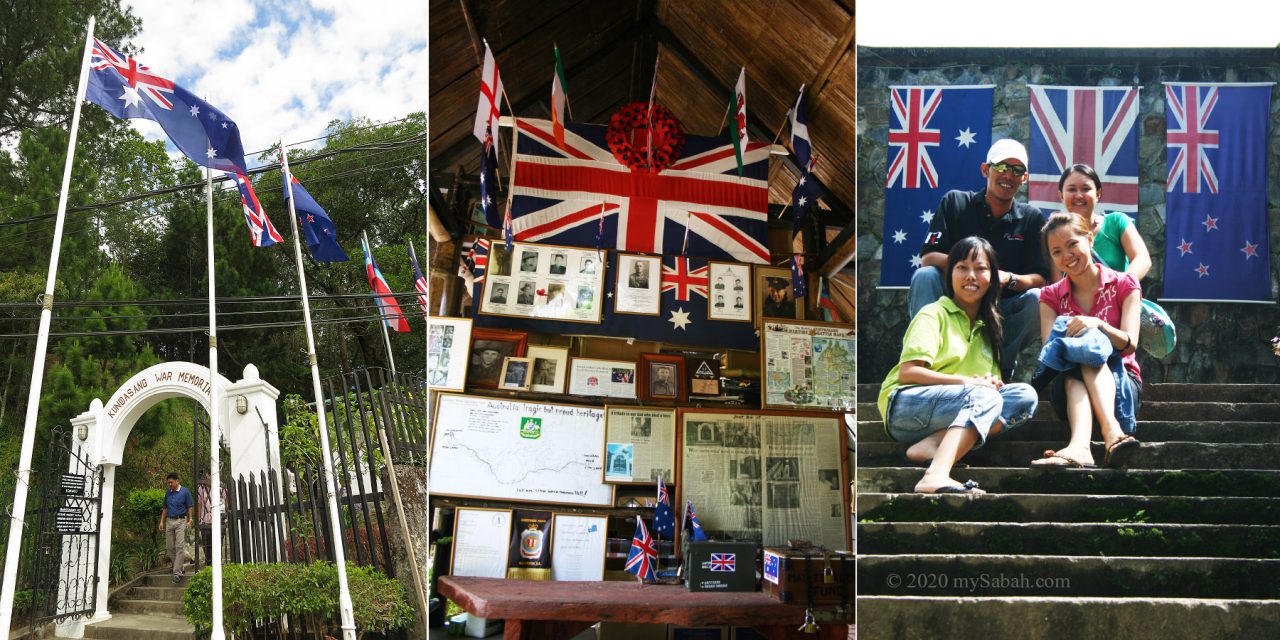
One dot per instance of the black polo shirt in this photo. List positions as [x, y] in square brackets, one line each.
[1015, 235]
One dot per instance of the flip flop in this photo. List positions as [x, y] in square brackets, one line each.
[1071, 463]
[968, 487]
[1120, 451]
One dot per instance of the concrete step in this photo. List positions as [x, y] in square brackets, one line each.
[150, 607]
[1141, 482]
[1067, 576]
[132, 626]
[1052, 618]
[1047, 427]
[1022, 507]
[1071, 539]
[1151, 410]
[1151, 455]
[1176, 392]
[156, 593]
[165, 580]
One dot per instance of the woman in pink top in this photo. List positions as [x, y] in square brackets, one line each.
[1095, 297]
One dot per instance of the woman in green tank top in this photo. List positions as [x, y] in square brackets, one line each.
[1117, 242]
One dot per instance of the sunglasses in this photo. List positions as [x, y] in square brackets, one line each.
[1001, 167]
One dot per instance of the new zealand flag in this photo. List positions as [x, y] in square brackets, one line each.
[1216, 200]
[938, 138]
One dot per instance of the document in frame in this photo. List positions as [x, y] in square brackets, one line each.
[577, 547]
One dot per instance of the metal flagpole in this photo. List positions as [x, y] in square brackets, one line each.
[382, 315]
[339, 556]
[215, 405]
[37, 366]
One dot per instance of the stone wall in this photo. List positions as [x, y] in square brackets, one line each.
[413, 494]
[1216, 342]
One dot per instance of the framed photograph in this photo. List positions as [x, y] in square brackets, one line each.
[661, 377]
[608, 378]
[447, 342]
[546, 281]
[639, 285]
[645, 438]
[730, 291]
[550, 368]
[515, 374]
[774, 296]
[489, 347]
[808, 365]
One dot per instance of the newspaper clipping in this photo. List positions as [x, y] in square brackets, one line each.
[651, 436]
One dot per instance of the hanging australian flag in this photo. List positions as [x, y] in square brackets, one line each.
[682, 318]
[1216, 197]
[938, 138]
[1084, 125]
[557, 195]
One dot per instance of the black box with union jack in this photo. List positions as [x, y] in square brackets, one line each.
[721, 566]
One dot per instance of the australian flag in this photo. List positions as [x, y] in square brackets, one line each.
[129, 89]
[557, 195]
[938, 138]
[664, 519]
[682, 317]
[1216, 197]
[1084, 125]
[643, 557]
[317, 228]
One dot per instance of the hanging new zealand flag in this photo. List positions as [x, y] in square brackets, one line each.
[682, 318]
[1216, 200]
[938, 138]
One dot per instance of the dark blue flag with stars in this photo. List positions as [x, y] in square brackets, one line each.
[803, 196]
[318, 230]
[1216, 201]
[664, 519]
[696, 527]
[489, 183]
[938, 140]
[128, 89]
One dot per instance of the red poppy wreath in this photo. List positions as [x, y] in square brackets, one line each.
[632, 123]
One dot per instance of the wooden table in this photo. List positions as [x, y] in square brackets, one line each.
[535, 610]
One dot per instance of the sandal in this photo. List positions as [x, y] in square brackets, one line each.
[1120, 451]
[1071, 463]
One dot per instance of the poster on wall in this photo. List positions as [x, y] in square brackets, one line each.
[546, 282]
[766, 476]
[515, 450]
[448, 340]
[645, 441]
[480, 542]
[808, 365]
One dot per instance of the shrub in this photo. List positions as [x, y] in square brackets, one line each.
[258, 592]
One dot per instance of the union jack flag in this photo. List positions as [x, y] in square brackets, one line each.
[1084, 125]
[643, 556]
[724, 562]
[419, 282]
[1190, 110]
[557, 195]
[914, 108]
[684, 281]
[138, 76]
[261, 231]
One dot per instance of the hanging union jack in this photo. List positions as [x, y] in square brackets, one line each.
[914, 108]
[261, 232]
[1191, 137]
[1084, 125]
[685, 281]
[557, 195]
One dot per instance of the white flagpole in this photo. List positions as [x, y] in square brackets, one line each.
[382, 315]
[339, 556]
[215, 405]
[37, 366]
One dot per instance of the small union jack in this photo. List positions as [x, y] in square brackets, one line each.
[1191, 138]
[726, 562]
[261, 231]
[644, 553]
[683, 280]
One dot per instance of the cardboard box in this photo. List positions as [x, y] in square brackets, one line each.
[721, 566]
[789, 576]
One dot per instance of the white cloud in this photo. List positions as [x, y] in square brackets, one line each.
[286, 70]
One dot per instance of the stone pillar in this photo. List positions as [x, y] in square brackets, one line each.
[253, 447]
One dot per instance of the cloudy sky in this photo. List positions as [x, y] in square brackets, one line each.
[285, 69]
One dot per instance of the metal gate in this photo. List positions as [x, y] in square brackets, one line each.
[62, 568]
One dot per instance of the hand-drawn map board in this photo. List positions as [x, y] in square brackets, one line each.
[517, 450]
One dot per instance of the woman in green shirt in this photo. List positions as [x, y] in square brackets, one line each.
[1116, 240]
[945, 395]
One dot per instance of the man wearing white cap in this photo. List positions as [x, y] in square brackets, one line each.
[1012, 228]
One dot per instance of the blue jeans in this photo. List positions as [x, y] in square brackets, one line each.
[916, 412]
[1021, 313]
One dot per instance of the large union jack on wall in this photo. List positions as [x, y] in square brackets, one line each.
[1086, 125]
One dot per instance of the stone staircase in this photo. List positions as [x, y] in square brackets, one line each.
[1182, 543]
[149, 610]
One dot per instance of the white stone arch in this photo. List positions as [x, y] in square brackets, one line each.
[252, 436]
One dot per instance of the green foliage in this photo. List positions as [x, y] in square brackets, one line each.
[141, 509]
[299, 435]
[253, 592]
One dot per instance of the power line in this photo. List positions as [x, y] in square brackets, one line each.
[201, 301]
[221, 328]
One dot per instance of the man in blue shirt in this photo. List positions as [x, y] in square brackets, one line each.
[175, 520]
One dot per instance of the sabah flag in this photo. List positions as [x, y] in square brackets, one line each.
[386, 300]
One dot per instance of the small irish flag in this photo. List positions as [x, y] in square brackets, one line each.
[559, 96]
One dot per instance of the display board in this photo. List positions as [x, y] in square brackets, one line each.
[545, 281]
[808, 365]
[768, 477]
[517, 450]
[639, 445]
